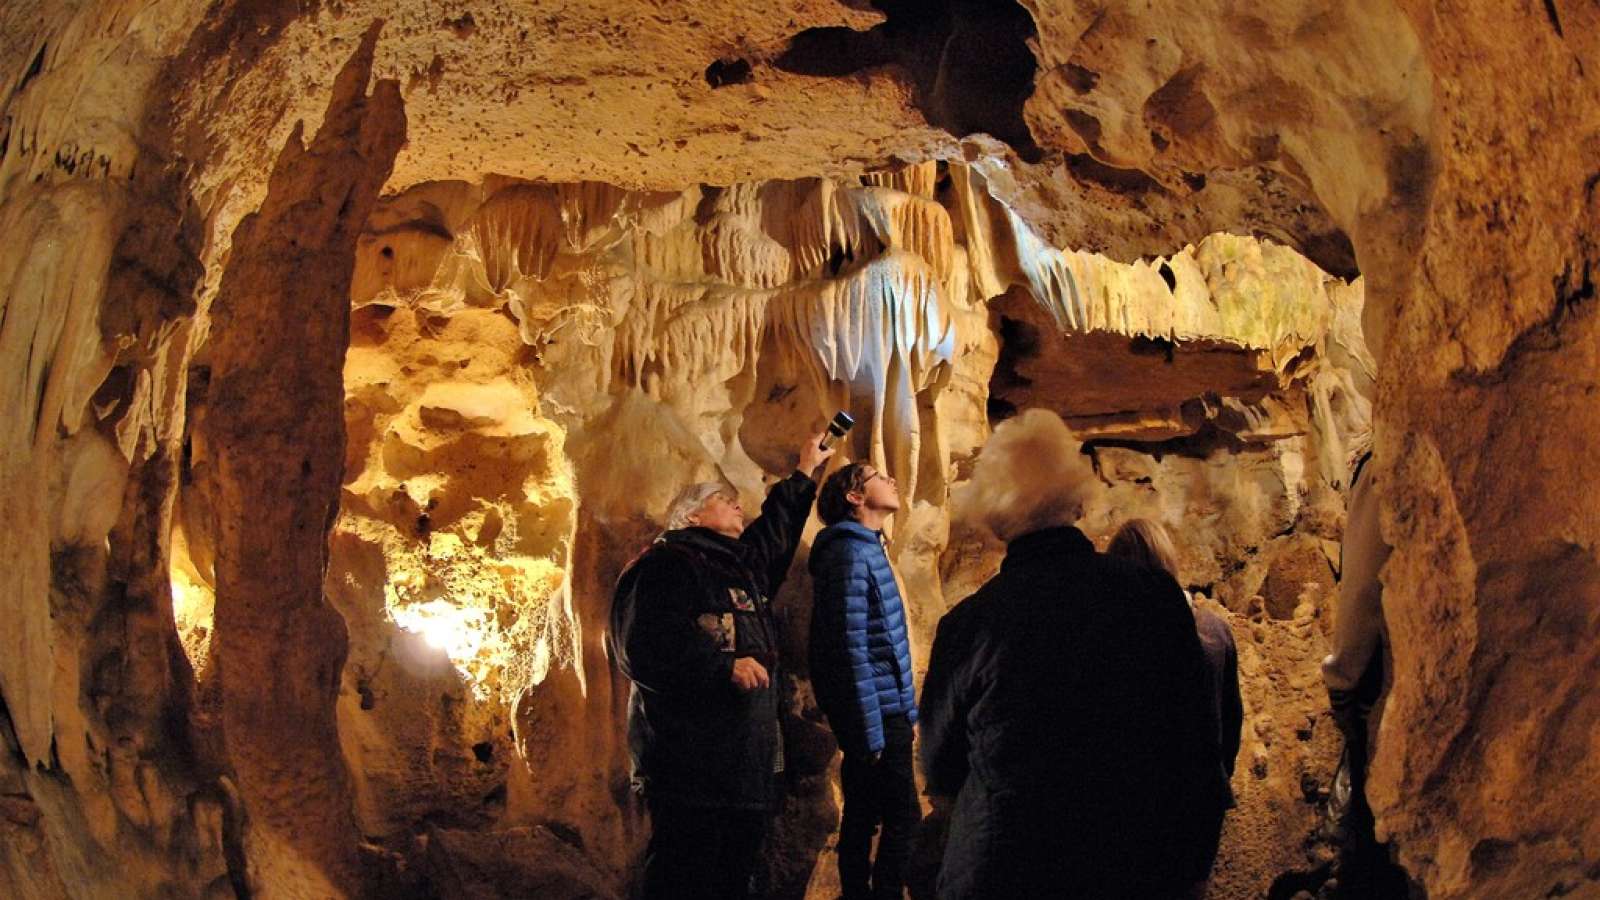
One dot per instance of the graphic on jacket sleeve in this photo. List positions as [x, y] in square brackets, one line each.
[720, 627]
[741, 600]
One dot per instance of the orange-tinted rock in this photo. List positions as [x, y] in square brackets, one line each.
[276, 428]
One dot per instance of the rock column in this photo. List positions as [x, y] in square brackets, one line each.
[277, 430]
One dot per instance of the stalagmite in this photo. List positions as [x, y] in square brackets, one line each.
[276, 429]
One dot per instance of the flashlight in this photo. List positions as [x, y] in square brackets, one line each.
[836, 429]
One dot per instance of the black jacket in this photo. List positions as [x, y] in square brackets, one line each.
[1066, 707]
[683, 611]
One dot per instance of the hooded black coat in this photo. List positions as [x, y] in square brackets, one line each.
[1066, 708]
[690, 605]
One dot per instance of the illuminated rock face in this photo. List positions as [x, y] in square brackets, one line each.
[1446, 152]
[454, 475]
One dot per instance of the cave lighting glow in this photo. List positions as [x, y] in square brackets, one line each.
[194, 603]
[192, 606]
[458, 631]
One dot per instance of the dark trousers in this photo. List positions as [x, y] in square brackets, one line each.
[882, 793]
[1352, 712]
[1209, 840]
[701, 853]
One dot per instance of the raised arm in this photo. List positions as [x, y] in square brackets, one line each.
[773, 537]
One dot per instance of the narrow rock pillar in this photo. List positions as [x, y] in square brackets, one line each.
[276, 425]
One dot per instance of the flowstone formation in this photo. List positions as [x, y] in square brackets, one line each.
[462, 488]
[1446, 152]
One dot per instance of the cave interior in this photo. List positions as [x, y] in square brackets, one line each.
[351, 350]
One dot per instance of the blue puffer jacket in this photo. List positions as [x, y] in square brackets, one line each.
[860, 656]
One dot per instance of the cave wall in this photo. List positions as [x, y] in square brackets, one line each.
[275, 430]
[1486, 388]
[1448, 149]
[106, 793]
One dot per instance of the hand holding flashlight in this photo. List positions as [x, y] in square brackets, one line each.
[837, 428]
[818, 449]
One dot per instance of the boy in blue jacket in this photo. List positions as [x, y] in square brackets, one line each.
[861, 670]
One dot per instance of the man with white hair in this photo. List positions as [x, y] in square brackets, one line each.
[1065, 707]
[692, 627]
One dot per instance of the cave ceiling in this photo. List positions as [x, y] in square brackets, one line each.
[1119, 130]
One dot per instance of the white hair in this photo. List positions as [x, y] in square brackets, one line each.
[691, 500]
[1032, 474]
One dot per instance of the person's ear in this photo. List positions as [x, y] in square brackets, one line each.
[855, 498]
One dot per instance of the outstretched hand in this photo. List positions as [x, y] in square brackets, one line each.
[812, 456]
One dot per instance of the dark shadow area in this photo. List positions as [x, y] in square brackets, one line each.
[1019, 341]
[1121, 181]
[1206, 440]
[1333, 252]
[724, 72]
[969, 59]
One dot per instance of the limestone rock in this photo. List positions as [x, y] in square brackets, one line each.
[529, 861]
[673, 184]
[274, 425]
[741, 326]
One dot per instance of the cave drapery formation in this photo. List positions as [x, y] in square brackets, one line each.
[314, 495]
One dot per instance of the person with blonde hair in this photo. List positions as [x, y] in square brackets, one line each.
[1150, 544]
[1064, 707]
[1030, 476]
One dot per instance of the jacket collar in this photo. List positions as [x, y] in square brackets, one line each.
[704, 540]
[1046, 543]
[853, 529]
[847, 530]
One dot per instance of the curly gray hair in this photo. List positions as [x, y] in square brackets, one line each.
[691, 500]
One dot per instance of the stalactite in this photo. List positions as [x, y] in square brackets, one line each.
[906, 222]
[517, 233]
[882, 335]
[50, 347]
[916, 179]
